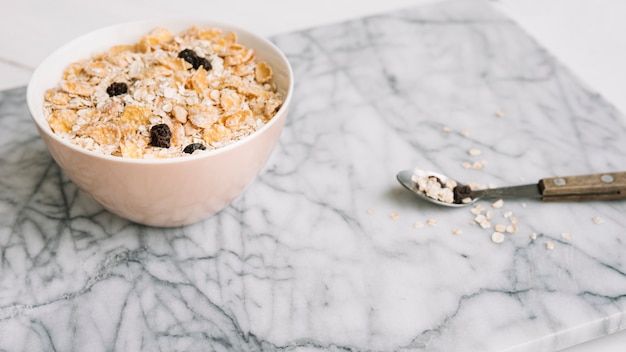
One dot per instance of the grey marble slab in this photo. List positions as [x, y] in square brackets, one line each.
[325, 251]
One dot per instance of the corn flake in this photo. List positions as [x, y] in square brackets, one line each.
[263, 72]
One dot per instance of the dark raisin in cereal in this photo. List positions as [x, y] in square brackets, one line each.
[196, 61]
[160, 136]
[193, 147]
[188, 55]
[201, 61]
[461, 192]
[117, 88]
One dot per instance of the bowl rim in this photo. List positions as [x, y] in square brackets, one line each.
[43, 127]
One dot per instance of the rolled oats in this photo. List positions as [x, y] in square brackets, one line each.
[434, 188]
[447, 191]
[497, 204]
[500, 228]
[497, 237]
[511, 228]
[476, 165]
[482, 221]
[477, 209]
[207, 88]
[474, 152]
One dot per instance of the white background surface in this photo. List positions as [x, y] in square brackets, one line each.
[588, 36]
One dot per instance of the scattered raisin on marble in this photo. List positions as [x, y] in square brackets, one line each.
[461, 192]
[117, 88]
[160, 136]
[189, 149]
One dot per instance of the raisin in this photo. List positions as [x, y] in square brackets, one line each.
[117, 88]
[461, 192]
[196, 61]
[200, 61]
[193, 147]
[188, 55]
[160, 136]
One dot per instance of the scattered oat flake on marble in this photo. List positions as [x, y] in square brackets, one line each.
[477, 209]
[597, 220]
[482, 221]
[499, 227]
[533, 236]
[456, 231]
[497, 237]
[370, 211]
[567, 235]
[465, 133]
[418, 225]
[499, 113]
[550, 245]
[446, 129]
[479, 165]
[474, 152]
[431, 222]
[394, 216]
[511, 228]
[497, 204]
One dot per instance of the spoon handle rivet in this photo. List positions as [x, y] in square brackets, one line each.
[560, 181]
[607, 178]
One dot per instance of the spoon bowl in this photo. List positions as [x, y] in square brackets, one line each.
[406, 179]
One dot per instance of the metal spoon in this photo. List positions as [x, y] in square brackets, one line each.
[604, 186]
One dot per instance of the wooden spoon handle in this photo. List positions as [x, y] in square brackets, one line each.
[610, 185]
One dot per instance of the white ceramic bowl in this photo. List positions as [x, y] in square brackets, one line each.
[163, 192]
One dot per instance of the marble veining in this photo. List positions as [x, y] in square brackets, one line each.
[325, 251]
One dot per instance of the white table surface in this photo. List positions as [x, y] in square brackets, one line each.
[585, 35]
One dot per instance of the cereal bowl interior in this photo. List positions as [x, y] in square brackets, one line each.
[161, 191]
